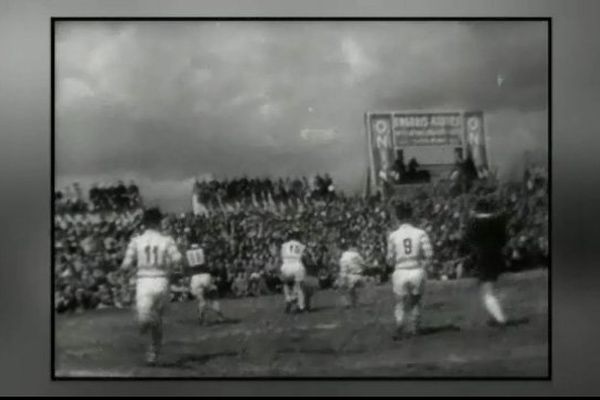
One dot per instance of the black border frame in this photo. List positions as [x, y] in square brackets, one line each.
[54, 20]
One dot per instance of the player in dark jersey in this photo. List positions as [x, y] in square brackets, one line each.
[486, 237]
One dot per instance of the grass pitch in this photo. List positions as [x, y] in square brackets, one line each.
[261, 341]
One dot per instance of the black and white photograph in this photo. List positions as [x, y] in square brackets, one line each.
[269, 198]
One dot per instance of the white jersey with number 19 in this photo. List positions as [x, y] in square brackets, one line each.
[291, 252]
[292, 267]
[195, 257]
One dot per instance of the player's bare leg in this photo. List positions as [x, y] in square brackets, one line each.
[155, 346]
[344, 300]
[156, 330]
[153, 325]
[342, 289]
[144, 328]
[414, 315]
[347, 298]
[399, 315]
[353, 296]
[300, 296]
[147, 326]
[201, 309]
[215, 307]
[288, 296]
[415, 298]
[308, 293]
[491, 303]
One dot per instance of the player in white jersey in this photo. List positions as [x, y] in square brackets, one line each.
[409, 251]
[293, 272]
[350, 279]
[154, 255]
[202, 285]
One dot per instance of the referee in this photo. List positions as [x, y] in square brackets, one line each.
[486, 237]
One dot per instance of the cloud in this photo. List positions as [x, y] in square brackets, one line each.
[319, 135]
[163, 101]
[360, 64]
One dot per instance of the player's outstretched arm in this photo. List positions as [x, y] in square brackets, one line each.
[426, 250]
[426, 247]
[390, 257]
[173, 252]
[365, 268]
[130, 255]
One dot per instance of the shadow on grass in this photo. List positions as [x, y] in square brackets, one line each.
[319, 350]
[210, 323]
[185, 361]
[315, 309]
[517, 322]
[228, 321]
[438, 305]
[430, 330]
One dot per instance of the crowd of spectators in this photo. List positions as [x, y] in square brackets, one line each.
[251, 191]
[101, 197]
[242, 244]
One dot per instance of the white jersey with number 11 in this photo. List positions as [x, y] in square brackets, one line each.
[153, 252]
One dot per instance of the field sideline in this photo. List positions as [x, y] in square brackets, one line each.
[261, 341]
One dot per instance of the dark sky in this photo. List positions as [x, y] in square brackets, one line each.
[162, 102]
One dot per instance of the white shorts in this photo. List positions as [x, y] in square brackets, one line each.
[201, 284]
[292, 272]
[408, 281]
[152, 294]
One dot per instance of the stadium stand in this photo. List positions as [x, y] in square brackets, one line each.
[245, 224]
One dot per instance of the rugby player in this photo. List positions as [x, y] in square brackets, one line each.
[486, 236]
[201, 284]
[293, 272]
[409, 251]
[154, 254]
[352, 267]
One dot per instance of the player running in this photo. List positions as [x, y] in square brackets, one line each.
[154, 255]
[201, 284]
[409, 251]
[352, 267]
[486, 236]
[293, 273]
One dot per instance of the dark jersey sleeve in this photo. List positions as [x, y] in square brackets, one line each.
[486, 237]
[310, 264]
[487, 234]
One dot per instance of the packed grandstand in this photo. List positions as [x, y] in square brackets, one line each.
[242, 222]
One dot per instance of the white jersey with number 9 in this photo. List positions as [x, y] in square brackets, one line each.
[408, 247]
